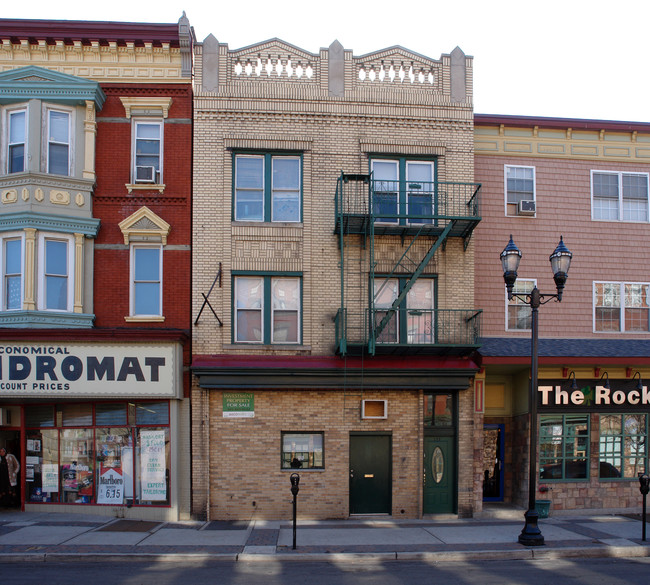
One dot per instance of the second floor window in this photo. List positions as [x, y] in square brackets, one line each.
[16, 141]
[519, 313]
[146, 281]
[267, 188]
[413, 322]
[12, 277]
[619, 196]
[58, 142]
[621, 307]
[267, 309]
[55, 280]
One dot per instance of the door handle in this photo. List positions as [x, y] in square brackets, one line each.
[351, 472]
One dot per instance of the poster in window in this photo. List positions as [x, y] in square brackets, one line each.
[152, 465]
[50, 477]
[111, 486]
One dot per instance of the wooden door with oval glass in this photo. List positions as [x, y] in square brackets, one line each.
[439, 475]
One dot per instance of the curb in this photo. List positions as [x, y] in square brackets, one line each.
[525, 554]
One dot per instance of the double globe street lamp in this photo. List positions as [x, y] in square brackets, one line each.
[560, 260]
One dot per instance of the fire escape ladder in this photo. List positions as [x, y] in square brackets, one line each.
[411, 281]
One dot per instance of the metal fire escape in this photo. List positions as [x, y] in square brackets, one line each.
[422, 216]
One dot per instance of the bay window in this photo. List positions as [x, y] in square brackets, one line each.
[58, 142]
[16, 141]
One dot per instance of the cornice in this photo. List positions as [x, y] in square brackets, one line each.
[54, 223]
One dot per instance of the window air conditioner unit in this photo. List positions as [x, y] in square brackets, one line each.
[374, 409]
[145, 174]
[526, 208]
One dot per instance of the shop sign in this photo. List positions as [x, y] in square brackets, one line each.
[238, 405]
[594, 398]
[73, 370]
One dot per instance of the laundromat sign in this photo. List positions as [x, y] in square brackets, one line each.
[87, 370]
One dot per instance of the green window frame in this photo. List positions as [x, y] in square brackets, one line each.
[267, 308]
[414, 323]
[267, 187]
[623, 445]
[303, 450]
[404, 189]
[564, 447]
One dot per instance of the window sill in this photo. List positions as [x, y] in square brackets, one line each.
[136, 319]
[280, 346]
[244, 223]
[301, 470]
[145, 187]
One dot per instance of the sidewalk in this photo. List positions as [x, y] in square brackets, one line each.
[30, 536]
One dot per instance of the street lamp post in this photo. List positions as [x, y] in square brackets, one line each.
[560, 260]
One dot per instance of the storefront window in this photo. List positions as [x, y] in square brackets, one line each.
[118, 454]
[623, 439]
[302, 451]
[438, 410]
[564, 447]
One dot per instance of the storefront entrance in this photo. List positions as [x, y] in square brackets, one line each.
[493, 472]
[10, 495]
[439, 474]
[370, 474]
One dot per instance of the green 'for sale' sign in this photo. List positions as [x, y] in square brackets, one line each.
[238, 405]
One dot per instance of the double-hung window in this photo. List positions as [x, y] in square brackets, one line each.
[17, 141]
[520, 190]
[618, 196]
[519, 313]
[267, 309]
[147, 151]
[623, 445]
[413, 322]
[621, 307]
[58, 142]
[403, 191]
[55, 273]
[12, 273]
[146, 281]
[267, 188]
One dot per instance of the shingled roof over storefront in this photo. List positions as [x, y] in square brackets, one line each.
[566, 348]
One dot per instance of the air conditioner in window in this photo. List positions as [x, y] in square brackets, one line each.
[526, 208]
[145, 174]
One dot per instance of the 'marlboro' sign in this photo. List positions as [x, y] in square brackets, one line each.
[70, 370]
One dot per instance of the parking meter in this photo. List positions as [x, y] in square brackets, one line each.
[295, 481]
[644, 481]
[644, 487]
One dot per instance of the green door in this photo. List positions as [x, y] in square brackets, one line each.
[370, 474]
[439, 475]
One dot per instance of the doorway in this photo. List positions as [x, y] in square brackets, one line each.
[493, 472]
[10, 441]
[439, 475]
[370, 474]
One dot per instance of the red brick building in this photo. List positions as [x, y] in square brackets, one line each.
[95, 217]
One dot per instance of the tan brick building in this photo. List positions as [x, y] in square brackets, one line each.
[333, 293]
[587, 180]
